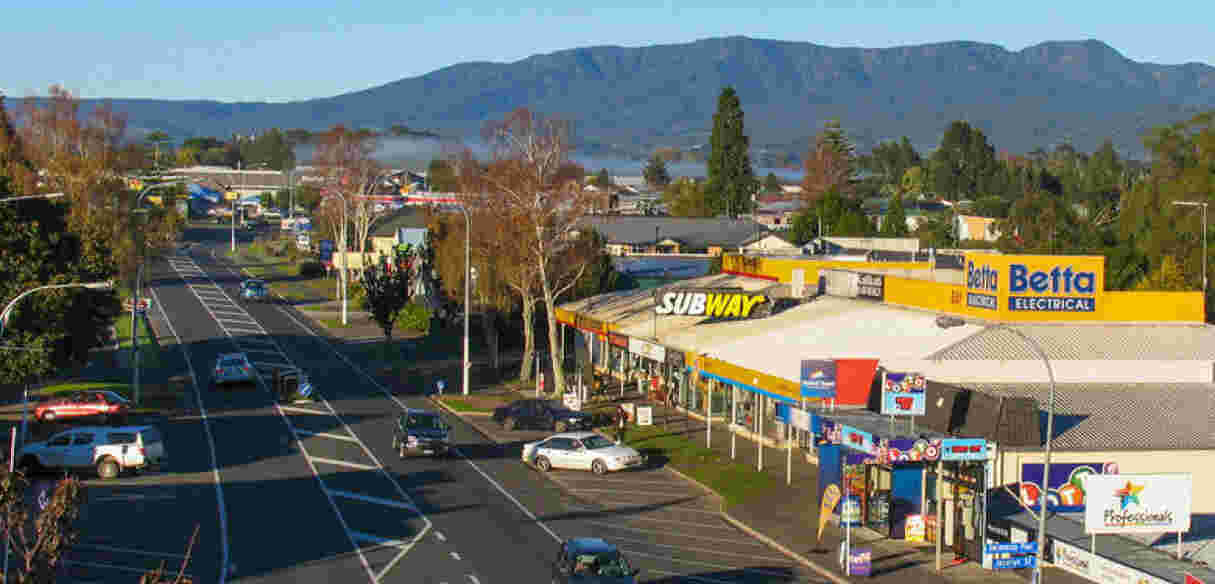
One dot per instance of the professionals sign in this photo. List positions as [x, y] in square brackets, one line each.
[871, 286]
[1023, 284]
[1138, 503]
[715, 303]
[818, 378]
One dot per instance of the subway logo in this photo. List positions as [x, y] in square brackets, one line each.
[714, 304]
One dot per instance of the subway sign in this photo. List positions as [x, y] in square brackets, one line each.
[1029, 284]
[714, 303]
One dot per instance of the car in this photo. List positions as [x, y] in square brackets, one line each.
[102, 404]
[109, 450]
[254, 289]
[421, 432]
[591, 560]
[232, 368]
[581, 451]
[541, 414]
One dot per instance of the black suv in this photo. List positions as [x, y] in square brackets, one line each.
[420, 432]
[590, 560]
[541, 414]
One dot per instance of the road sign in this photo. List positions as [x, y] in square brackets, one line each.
[1014, 563]
[1027, 547]
[144, 304]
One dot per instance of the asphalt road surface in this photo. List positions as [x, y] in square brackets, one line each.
[314, 492]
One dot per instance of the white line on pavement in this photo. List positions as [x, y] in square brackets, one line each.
[335, 462]
[206, 424]
[472, 578]
[439, 536]
[376, 500]
[632, 503]
[455, 556]
[698, 525]
[697, 549]
[622, 492]
[736, 540]
[368, 538]
[296, 410]
[669, 558]
[326, 435]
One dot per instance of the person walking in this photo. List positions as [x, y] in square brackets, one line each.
[622, 422]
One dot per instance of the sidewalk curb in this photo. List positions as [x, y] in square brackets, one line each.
[784, 550]
[457, 414]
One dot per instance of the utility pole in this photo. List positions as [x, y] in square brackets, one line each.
[235, 197]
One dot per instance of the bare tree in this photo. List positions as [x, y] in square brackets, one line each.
[529, 153]
[39, 546]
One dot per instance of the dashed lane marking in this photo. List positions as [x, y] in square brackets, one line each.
[473, 579]
[439, 536]
[370, 499]
[326, 435]
[669, 558]
[455, 556]
[697, 549]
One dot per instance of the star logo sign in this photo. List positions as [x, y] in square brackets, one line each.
[1129, 494]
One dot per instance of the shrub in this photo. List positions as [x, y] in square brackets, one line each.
[355, 292]
[312, 269]
[414, 317]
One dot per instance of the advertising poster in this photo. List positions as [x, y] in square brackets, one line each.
[856, 439]
[1138, 503]
[850, 512]
[915, 528]
[860, 561]
[871, 286]
[831, 497]
[1096, 568]
[818, 378]
[903, 394]
[963, 449]
[1065, 491]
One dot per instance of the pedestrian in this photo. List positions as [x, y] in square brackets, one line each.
[622, 422]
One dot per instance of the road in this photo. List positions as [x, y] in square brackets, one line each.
[314, 491]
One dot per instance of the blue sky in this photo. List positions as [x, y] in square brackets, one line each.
[273, 50]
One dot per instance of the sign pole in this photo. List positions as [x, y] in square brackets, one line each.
[1092, 544]
[789, 450]
[733, 423]
[759, 433]
[940, 508]
[1179, 533]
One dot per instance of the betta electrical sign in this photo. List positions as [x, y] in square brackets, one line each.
[715, 303]
[1017, 286]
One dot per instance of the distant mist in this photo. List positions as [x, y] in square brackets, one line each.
[417, 152]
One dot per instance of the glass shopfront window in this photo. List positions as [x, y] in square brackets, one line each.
[748, 404]
[719, 399]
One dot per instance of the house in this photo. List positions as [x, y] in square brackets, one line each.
[766, 242]
[777, 215]
[976, 228]
[627, 235]
[407, 225]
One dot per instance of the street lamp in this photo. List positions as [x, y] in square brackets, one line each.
[946, 322]
[109, 285]
[1204, 237]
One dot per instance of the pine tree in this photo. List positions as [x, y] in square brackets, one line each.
[655, 172]
[895, 222]
[731, 180]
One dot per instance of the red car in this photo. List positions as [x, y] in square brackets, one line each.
[102, 404]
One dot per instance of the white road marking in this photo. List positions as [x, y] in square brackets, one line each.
[326, 435]
[704, 550]
[736, 540]
[400, 404]
[383, 541]
[255, 340]
[473, 579]
[649, 493]
[296, 410]
[336, 462]
[633, 552]
[113, 567]
[376, 500]
[455, 556]
[721, 526]
[663, 509]
[206, 424]
[106, 548]
[439, 536]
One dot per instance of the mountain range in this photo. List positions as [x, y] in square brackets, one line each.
[627, 101]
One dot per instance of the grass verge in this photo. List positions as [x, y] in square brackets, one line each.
[476, 405]
[333, 323]
[734, 481]
[149, 346]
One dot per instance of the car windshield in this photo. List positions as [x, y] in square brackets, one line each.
[594, 442]
[606, 564]
[254, 285]
[422, 422]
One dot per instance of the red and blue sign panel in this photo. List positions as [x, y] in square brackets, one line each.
[855, 439]
[903, 394]
[1064, 491]
[963, 449]
[818, 378]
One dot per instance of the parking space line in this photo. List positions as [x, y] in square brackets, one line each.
[376, 500]
[326, 435]
[680, 534]
[650, 493]
[263, 342]
[721, 526]
[633, 503]
[597, 480]
[709, 564]
[112, 567]
[697, 549]
[297, 410]
[336, 462]
[245, 331]
[106, 548]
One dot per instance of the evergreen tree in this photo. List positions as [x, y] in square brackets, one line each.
[655, 172]
[602, 180]
[731, 180]
[771, 183]
[895, 222]
[964, 165]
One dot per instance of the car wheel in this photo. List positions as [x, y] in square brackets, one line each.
[508, 424]
[598, 467]
[543, 464]
[48, 417]
[561, 427]
[108, 469]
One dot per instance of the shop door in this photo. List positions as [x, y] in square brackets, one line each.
[967, 510]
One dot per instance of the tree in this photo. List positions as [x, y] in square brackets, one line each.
[655, 172]
[39, 542]
[527, 152]
[387, 287]
[1167, 276]
[830, 165]
[964, 164]
[771, 183]
[914, 182]
[805, 226]
[271, 148]
[602, 180]
[441, 177]
[687, 198]
[895, 222]
[731, 180]
[890, 160]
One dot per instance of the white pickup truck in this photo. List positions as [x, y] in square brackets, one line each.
[109, 450]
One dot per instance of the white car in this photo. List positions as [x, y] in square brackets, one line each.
[108, 450]
[580, 451]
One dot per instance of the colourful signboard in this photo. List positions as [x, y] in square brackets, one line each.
[831, 496]
[963, 449]
[860, 561]
[1138, 503]
[711, 303]
[903, 394]
[818, 378]
[856, 439]
[1012, 286]
[1065, 489]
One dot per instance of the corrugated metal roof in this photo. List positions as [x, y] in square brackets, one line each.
[1116, 342]
[692, 233]
[1126, 416]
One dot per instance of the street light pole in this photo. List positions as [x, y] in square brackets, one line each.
[1204, 237]
[950, 322]
[242, 184]
[468, 291]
